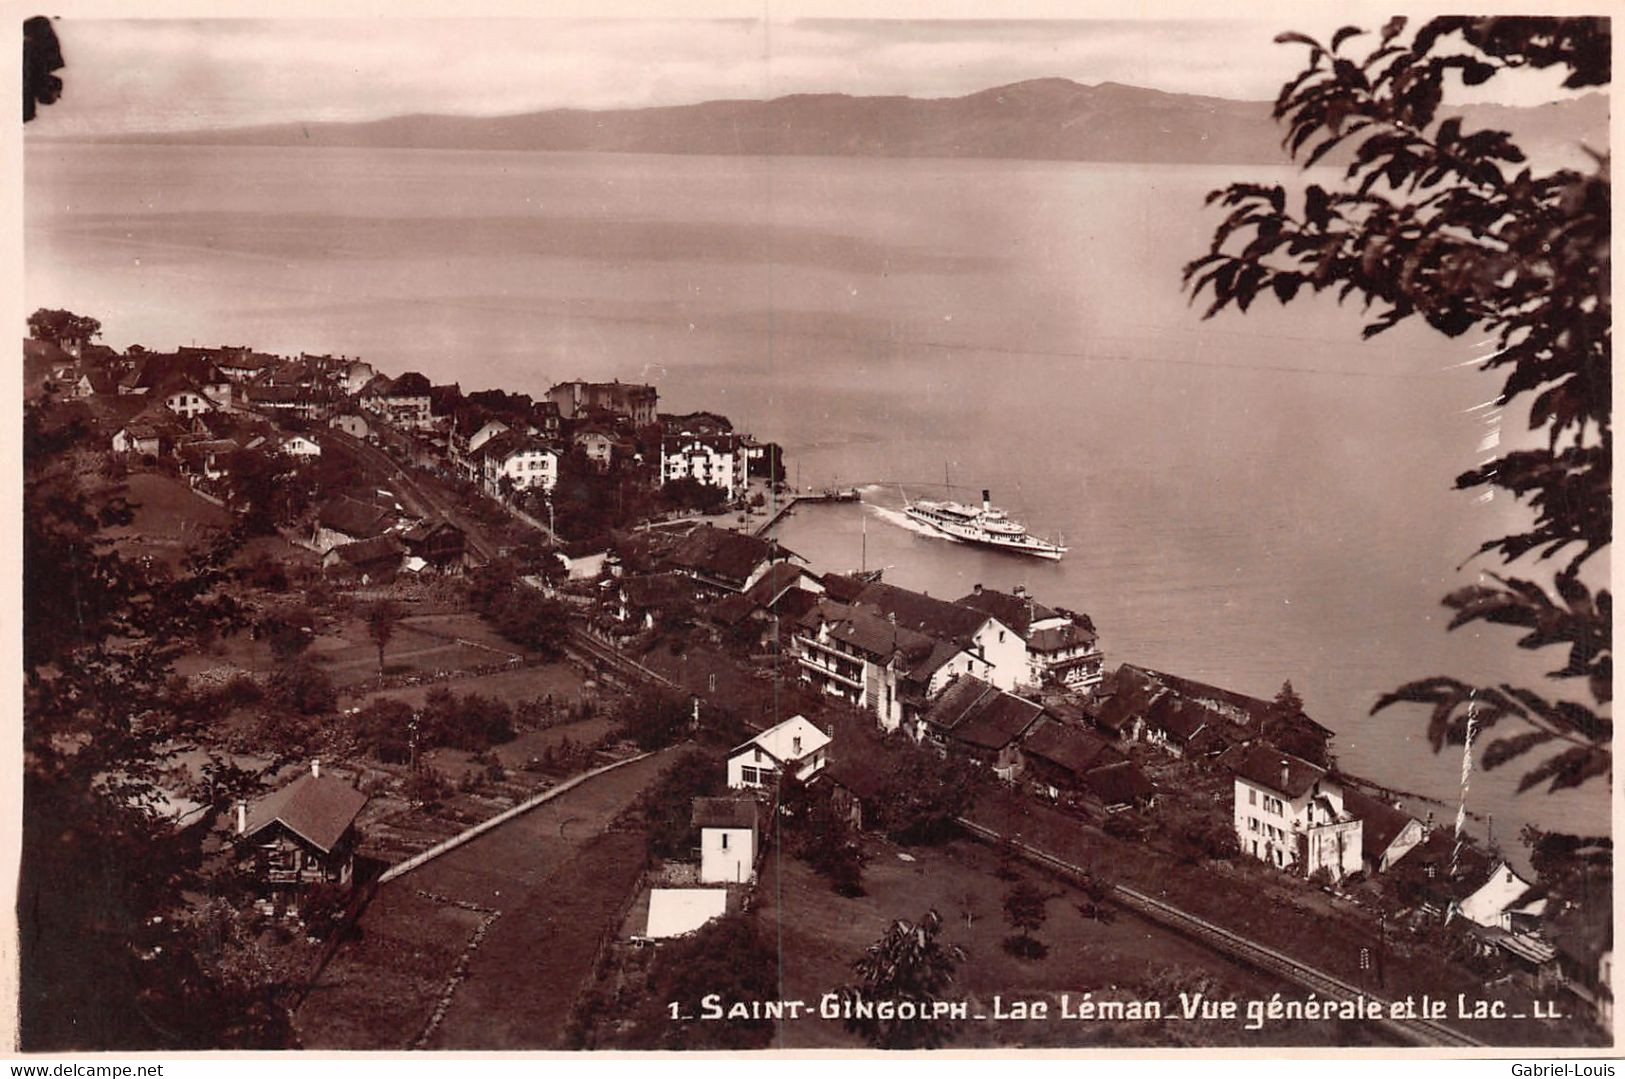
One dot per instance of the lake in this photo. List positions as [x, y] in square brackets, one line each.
[1247, 500]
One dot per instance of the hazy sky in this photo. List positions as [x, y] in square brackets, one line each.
[164, 74]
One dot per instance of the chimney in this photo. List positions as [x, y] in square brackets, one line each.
[1020, 590]
[987, 502]
[978, 589]
[242, 817]
[316, 767]
[1286, 775]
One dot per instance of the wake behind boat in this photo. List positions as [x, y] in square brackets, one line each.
[986, 527]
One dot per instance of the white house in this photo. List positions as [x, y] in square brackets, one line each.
[1290, 813]
[525, 462]
[990, 640]
[301, 447]
[489, 430]
[795, 746]
[875, 664]
[1062, 646]
[353, 424]
[728, 833]
[716, 460]
[188, 401]
[1492, 902]
[355, 375]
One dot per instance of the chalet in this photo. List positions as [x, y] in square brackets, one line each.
[597, 446]
[301, 836]
[795, 746]
[1056, 758]
[728, 839]
[440, 544]
[640, 599]
[370, 561]
[516, 461]
[1062, 647]
[207, 458]
[710, 460]
[1500, 897]
[1290, 813]
[94, 383]
[630, 401]
[983, 635]
[724, 561]
[186, 400]
[854, 781]
[1178, 727]
[1297, 734]
[1116, 787]
[781, 578]
[976, 720]
[143, 437]
[305, 402]
[159, 376]
[353, 424]
[875, 664]
[344, 520]
[301, 447]
[1386, 832]
[400, 402]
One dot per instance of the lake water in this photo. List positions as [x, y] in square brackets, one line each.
[1247, 500]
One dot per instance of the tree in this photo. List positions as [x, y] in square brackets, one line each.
[1024, 911]
[655, 718]
[826, 841]
[106, 949]
[729, 957]
[908, 963]
[667, 808]
[382, 618]
[60, 327]
[42, 59]
[923, 793]
[1442, 223]
[288, 630]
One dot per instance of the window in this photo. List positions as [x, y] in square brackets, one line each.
[1252, 796]
[748, 774]
[724, 840]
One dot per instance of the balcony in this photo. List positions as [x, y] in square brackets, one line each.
[831, 671]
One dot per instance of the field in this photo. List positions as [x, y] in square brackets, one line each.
[380, 991]
[557, 680]
[821, 933]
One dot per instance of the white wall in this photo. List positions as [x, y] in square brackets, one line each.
[727, 855]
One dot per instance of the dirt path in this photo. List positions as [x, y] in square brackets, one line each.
[383, 990]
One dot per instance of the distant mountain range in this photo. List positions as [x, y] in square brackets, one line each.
[1042, 119]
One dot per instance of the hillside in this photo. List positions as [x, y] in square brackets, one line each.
[1043, 119]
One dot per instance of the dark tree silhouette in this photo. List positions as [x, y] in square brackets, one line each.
[1451, 226]
[382, 618]
[908, 963]
[42, 58]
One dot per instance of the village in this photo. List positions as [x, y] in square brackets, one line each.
[533, 676]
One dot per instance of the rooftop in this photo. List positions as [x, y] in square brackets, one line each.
[724, 813]
[789, 741]
[317, 808]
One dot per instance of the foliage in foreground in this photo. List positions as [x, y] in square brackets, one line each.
[1452, 226]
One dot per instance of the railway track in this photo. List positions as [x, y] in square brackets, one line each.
[596, 652]
[1234, 945]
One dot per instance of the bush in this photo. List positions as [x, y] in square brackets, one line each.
[300, 686]
[654, 719]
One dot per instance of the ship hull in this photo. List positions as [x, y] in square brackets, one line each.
[1032, 548]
